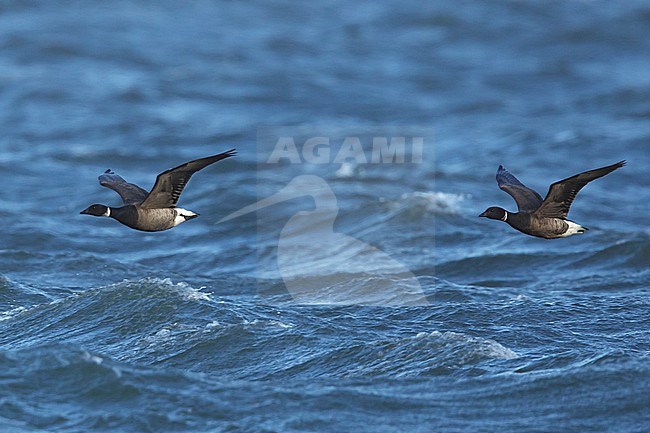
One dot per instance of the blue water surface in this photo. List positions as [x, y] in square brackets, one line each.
[198, 329]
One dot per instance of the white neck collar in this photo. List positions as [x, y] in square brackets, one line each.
[505, 217]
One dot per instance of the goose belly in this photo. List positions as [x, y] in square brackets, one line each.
[573, 229]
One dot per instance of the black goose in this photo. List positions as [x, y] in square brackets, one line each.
[545, 218]
[156, 210]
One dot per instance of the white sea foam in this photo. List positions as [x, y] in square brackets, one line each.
[212, 325]
[349, 170]
[184, 289]
[434, 202]
[87, 356]
[6, 315]
[268, 323]
[481, 346]
[98, 360]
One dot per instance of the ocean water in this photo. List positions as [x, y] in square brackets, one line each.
[367, 298]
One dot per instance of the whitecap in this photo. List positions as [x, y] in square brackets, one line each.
[348, 170]
[480, 346]
[6, 315]
[188, 292]
[434, 202]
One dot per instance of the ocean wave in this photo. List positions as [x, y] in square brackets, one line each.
[625, 253]
[430, 202]
[155, 321]
[381, 289]
[40, 381]
[112, 316]
[491, 266]
[15, 297]
[424, 354]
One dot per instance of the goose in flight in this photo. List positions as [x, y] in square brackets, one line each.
[545, 218]
[155, 210]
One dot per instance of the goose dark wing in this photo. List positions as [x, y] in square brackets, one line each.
[562, 193]
[129, 192]
[170, 184]
[527, 199]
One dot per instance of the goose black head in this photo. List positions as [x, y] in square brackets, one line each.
[97, 210]
[495, 213]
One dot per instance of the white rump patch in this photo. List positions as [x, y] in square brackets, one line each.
[574, 229]
[183, 215]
